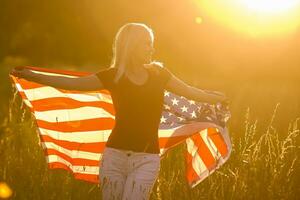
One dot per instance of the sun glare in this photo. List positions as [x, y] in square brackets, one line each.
[257, 18]
[270, 6]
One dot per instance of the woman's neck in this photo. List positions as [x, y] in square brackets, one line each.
[136, 69]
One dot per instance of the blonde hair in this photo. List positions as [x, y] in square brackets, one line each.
[124, 44]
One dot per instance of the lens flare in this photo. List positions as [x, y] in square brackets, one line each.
[5, 191]
[198, 20]
[259, 18]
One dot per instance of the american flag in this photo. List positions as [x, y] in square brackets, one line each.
[74, 126]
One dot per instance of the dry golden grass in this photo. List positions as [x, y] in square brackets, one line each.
[263, 165]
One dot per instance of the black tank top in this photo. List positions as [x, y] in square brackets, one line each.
[138, 109]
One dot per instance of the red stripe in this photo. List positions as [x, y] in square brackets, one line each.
[204, 152]
[27, 85]
[218, 140]
[94, 147]
[79, 125]
[22, 94]
[86, 177]
[73, 161]
[191, 174]
[57, 103]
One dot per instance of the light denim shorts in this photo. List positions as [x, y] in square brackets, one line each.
[126, 174]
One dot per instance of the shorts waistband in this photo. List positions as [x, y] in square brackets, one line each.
[130, 152]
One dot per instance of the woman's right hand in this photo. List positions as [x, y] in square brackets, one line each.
[220, 97]
[21, 72]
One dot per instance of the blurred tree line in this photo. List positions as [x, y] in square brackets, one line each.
[78, 35]
[44, 31]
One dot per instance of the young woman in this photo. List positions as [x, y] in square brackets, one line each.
[130, 162]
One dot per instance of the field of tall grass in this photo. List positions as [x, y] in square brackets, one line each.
[259, 75]
[263, 164]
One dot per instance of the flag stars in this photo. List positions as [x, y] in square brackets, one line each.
[184, 109]
[174, 101]
[192, 102]
[207, 117]
[163, 120]
[167, 107]
[166, 94]
[180, 118]
[193, 114]
[199, 109]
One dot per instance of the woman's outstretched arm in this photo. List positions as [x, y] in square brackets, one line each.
[181, 88]
[85, 83]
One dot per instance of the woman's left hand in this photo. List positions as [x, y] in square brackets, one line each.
[224, 101]
[220, 97]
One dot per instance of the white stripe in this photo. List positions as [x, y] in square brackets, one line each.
[19, 87]
[72, 153]
[80, 137]
[162, 151]
[50, 92]
[75, 168]
[202, 173]
[197, 162]
[186, 129]
[199, 167]
[169, 132]
[53, 74]
[75, 114]
[27, 103]
[191, 147]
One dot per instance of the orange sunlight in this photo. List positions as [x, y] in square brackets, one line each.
[258, 18]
